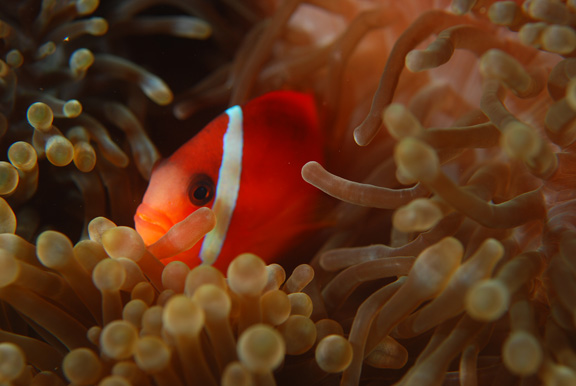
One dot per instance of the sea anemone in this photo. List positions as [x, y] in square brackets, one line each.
[447, 251]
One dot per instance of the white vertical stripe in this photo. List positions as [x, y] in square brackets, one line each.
[227, 187]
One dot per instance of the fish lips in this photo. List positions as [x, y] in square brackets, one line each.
[151, 223]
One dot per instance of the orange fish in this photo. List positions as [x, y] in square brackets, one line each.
[245, 165]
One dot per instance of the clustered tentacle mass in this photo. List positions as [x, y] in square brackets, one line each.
[448, 249]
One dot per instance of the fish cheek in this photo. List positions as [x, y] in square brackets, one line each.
[167, 192]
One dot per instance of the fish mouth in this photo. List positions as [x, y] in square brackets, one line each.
[151, 223]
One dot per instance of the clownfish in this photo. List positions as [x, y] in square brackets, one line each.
[246, 166]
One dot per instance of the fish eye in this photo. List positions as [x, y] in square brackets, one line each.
[200, 190]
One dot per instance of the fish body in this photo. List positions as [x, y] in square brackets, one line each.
[246, 166]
